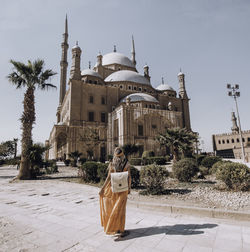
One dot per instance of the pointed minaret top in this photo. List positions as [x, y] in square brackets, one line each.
[162, 80]
[114, 48]
[66, 25]
[89, 64]
[133, 51]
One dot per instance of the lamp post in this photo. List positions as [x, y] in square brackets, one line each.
[233, 92]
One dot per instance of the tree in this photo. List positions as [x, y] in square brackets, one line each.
[15, 140]
[30, 77]
[7, 149]
[130, 149]
[180, 140]
[75, 155]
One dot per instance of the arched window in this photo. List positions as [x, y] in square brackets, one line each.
[227, 140]
[232, 140]
[223, 141]
[219, 142]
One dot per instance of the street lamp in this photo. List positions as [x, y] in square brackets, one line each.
[233, 92]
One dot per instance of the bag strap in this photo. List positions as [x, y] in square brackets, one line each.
[125, 164]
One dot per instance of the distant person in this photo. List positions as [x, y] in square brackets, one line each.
[113, 204]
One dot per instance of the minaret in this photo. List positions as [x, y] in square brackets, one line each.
[146, 72]
[184, 101]
[182, 89]
[133, 51]
[63, 71]
[235, 128]
[64, 63]
[75, 71]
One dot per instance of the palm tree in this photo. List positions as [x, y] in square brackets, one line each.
[180, 140]
[15, 140]
[31, 77]
[130, 149]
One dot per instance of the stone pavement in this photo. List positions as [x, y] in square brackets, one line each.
[53, 215]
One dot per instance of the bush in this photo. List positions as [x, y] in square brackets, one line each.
[135, 161]
[199, 159]
[102, 171]
[236, 176]
[156, 160]
[209, 161]
[135, 177]
[185, 169]
[67, 162]
[167, 158]
[88, 172]
[153, 177]
[217, 165]
[147, 154]
[203, 171]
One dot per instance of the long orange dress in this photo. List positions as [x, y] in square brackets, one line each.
[113, 208]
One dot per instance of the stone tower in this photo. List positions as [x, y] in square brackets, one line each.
[182, 88]
[184, 101]
[133, 51]
[63, 66]
[235, 128]
[75, 71]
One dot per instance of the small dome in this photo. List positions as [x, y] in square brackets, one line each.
[126, 75]
[164, 87]
[139, 97]
[90, 72]
[116, 58]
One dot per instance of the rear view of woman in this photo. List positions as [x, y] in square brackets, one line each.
[113, 204]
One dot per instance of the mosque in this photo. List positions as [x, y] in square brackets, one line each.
[112, 105]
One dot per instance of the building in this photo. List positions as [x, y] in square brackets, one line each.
[112, 105]
[228, 145]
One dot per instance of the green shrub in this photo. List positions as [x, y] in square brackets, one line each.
[153, 177]
[2, 161]
[102, 171]
[156, 160]
[67, 162]
[135, 177]
[203, 171]
[135, 161]
[216, 165]
[185, 169]
[88, 172]
[236, 176]
[82, 160]
[167, 158]
[209, 161]
[147, 154]
[199, 159]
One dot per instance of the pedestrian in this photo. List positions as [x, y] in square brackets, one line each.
[112, 199]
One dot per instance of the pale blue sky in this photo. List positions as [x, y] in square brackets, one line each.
[208, 39]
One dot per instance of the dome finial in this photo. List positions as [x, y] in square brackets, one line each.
[114, 48]
[77, 43]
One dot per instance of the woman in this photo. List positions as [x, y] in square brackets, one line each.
[113, 205]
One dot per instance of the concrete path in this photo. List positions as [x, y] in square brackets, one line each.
[52, 215]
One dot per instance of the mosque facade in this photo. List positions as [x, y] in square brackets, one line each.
[112, 105]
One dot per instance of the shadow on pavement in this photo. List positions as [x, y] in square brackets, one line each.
[178, 229]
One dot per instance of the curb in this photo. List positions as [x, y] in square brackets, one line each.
[196, 211]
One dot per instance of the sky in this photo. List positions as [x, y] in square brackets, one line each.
[208, 39]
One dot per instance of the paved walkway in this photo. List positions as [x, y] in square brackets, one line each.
[53, 215]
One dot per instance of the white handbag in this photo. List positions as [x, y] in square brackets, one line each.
[119, 181]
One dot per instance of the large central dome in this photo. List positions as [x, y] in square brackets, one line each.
[126, 75]
[116, 58]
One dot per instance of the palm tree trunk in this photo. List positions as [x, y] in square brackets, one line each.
[27, 119]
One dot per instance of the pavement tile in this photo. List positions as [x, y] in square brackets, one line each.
[197, 248]
[168, 245]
